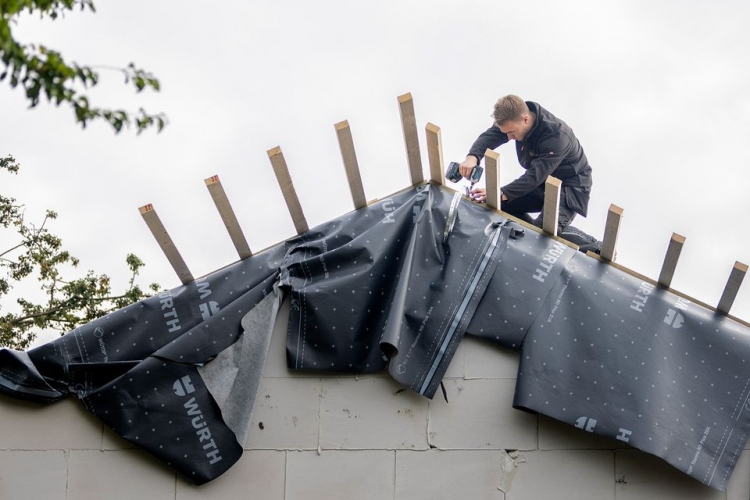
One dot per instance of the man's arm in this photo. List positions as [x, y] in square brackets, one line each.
[489, 139]
[550, 154]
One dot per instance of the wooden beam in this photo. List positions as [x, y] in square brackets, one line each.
[611, 231]
[435, 153]
[409, 124]
[349, 156]
[732, 287]
[287, 189]
[551, 210]
[227, 216]
[492, 178]
[670, 260]
[165, 242]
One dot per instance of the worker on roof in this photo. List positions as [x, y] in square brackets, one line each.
[545, 146]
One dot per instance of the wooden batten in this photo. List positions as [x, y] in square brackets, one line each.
[349, 156]
[228, 216]
[670, 260]
[287, 189]
[492, 178]
[411, 138]
[435, 153]
[551, 208]
[611, 232]
[732, 287]
[165, 242]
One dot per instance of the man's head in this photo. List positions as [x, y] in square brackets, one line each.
[513, 117]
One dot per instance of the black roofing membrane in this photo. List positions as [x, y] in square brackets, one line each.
[379, 288]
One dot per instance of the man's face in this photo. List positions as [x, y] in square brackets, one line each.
[516, 130]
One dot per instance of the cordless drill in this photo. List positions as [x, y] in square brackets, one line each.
[454, 175]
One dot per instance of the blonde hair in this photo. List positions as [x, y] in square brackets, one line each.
[509, 108]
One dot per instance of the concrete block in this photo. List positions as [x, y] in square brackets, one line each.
[432, 474]
[565, 475]
[371, 413]
[483, 359]
[258, 474]
[40, 475]
[340, 475]
[556, 435]
[479, 415]
[286, 414]
[739, 483]
[118, 475]
[64, 425]
[640, 475]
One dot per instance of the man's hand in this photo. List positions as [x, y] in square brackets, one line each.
[467, 166]
[478, 195]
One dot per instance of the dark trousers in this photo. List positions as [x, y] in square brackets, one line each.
[534, 202]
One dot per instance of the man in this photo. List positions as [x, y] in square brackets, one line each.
[545, 146]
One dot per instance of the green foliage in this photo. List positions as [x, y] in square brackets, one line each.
[39, 253]
[42, 72]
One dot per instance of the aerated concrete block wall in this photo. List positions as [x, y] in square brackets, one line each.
[343, 437]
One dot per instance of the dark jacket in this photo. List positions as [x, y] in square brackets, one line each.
[550, 148]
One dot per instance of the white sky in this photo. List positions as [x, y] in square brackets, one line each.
[657, 92]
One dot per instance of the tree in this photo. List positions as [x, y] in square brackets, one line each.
[42, 71]
[37, 252]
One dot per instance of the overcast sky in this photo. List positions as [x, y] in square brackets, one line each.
[658, 93]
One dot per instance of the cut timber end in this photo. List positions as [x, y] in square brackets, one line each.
[611, 232]
[551, 210]
[732, 287]
[351, 165]
[165, 242]
[492, 179]
[227, 216]
[435, 153]
[411, 138]
[670, 260]
[287, 189]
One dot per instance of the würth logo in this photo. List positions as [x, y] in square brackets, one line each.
[674, 319]
[183, 386]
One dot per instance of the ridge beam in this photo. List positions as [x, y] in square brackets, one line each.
[492, 179]
[732, 287]
[228, 216]
[411, 138]
[287, 189]
[435, 153]
[551, 209]
[670, 260]
[349, 157]
[165, 242]
[611, 232]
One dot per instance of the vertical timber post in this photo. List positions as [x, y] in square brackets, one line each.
[492, 178]
[165, 242]
[551, 210]
[435, 153]
[287, 189]
[732, 287]
[349, 156]
[228, 216]
[611, 232]
[670, 260]
[411, 138]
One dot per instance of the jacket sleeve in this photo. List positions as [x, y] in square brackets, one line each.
[550, 154]
[489, 139]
